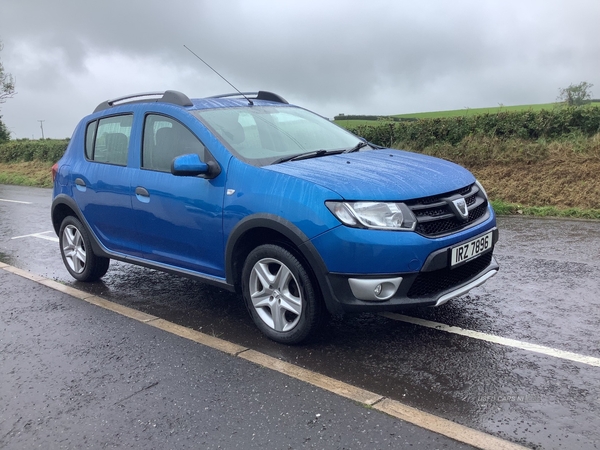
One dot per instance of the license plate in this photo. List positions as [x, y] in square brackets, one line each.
[471, 249]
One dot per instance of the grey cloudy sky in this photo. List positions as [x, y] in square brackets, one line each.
[331, 56]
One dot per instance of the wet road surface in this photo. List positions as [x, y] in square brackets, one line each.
[77, 376]
[546, 294]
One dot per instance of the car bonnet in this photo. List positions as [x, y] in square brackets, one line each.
[380, 175]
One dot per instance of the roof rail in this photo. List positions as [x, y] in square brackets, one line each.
[174, 97]
[260, 95]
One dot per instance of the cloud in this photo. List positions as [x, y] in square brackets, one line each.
[376, 57]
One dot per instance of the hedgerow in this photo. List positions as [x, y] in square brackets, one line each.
[47, 150]
[440, 136]
[524, 125]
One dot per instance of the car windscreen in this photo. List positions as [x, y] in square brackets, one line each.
[261, 135]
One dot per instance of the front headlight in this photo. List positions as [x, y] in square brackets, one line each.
[481, 188]
[375, 215]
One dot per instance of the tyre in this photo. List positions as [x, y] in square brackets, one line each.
[77, 253]
[280, 295]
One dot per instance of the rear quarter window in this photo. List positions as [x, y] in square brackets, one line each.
[90, 135]
[107, 140]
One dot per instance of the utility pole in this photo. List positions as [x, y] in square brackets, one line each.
[42, 127]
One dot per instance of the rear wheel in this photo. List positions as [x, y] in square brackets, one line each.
[280, 295]
[77, 253]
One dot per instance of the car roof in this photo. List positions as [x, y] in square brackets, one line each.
[180, 99]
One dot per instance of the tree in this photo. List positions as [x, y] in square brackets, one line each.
[4, 133]
[7, 90]
[576, 94]
[7, 82]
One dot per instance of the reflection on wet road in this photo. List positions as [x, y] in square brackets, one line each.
[546, 294]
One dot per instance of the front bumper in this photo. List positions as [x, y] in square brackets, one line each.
[433, 285]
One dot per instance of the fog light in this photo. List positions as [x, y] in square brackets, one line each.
[374, 289]
[377, 290]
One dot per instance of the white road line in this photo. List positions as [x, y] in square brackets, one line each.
[556, 353]
[14, 201]
[39, 235]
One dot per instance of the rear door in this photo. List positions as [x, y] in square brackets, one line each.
[102, 183]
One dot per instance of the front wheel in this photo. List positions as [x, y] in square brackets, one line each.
[77, 254]
[280, 295]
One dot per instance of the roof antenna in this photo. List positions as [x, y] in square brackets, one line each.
[239, 92]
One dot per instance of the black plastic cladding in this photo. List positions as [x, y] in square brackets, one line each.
[428, 284]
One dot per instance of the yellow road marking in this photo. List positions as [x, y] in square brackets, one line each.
[197, 336]
[329, 384]
[443, 426]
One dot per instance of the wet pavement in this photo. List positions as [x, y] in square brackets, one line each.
[546, 293]
[77, 376]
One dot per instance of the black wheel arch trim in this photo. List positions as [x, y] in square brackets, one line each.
[63, 199]
[286, 229]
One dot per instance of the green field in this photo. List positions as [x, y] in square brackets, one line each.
[355, 123]
[351, 123]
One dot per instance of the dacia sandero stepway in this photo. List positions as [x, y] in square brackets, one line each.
[272, 201]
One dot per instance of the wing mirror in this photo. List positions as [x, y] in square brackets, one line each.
[191, 166]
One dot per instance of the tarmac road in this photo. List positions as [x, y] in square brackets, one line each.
[518, 358]
[76, 376]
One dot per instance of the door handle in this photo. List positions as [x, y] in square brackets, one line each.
[80, 185]
[142, 192]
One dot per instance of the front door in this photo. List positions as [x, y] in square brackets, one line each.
[179, 218]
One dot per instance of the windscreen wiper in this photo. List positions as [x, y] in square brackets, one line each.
[314, 154]
[357, 147]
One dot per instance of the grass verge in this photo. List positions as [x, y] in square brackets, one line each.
[512, 209]
[30, 173]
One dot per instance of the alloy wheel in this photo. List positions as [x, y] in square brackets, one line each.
[74, 249]
[275, 294]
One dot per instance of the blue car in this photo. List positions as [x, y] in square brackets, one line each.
[267, 199]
